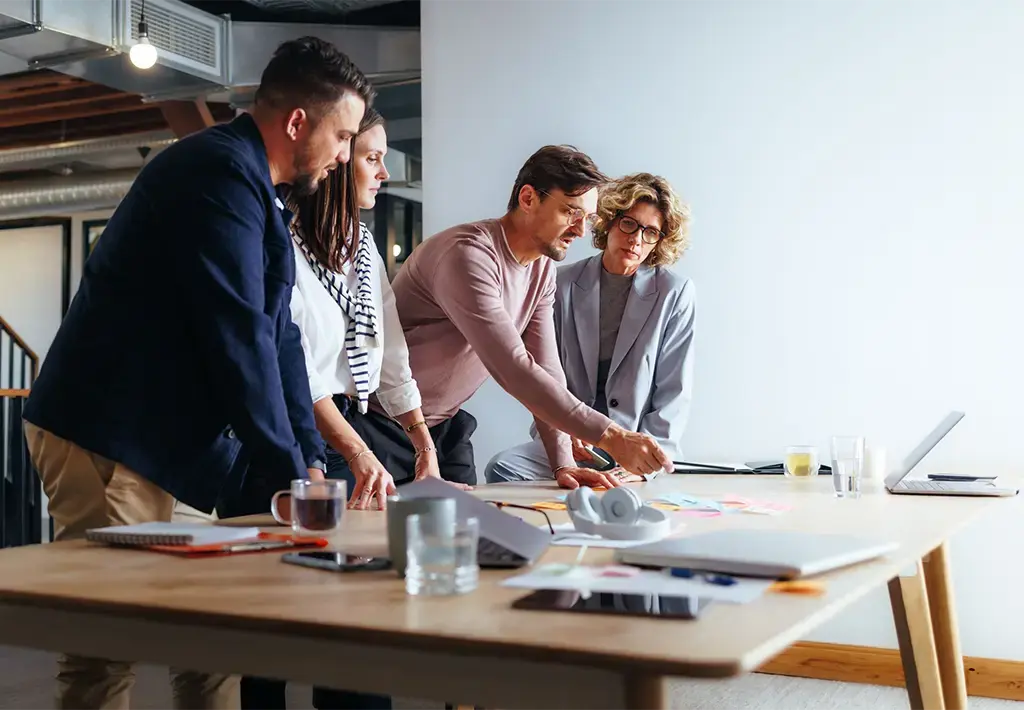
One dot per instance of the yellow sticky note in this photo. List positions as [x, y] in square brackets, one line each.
[799, 586]
[664, 506]
[549, 505]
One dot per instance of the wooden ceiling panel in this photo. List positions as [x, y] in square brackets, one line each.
[44, 106]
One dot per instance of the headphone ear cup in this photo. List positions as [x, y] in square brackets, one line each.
[621, 506]
[584, 503]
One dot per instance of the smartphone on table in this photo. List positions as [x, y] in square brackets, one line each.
[616, 604]
[334, 561]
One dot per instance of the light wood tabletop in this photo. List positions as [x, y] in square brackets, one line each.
[253, 614]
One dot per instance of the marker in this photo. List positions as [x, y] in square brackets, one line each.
[721, 580]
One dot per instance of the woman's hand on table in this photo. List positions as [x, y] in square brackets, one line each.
[373, 482]
[427, 467]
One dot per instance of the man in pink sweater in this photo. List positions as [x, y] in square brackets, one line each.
[476, 300]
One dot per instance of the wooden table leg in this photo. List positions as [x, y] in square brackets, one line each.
[939, 585]
[646, 692]
[909, 600]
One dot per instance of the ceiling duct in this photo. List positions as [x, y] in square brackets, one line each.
[405, 170]
[198, 54]
[30, 198]
[326, 7]
[43, 155]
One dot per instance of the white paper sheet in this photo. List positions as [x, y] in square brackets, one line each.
[587, 578]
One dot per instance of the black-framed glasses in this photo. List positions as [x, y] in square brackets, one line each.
[650, 235]
[501, 504]
[574, 214]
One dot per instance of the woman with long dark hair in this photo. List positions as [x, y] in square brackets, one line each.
[355, 349]
[351, 335]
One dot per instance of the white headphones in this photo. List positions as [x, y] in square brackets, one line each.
[620, 514]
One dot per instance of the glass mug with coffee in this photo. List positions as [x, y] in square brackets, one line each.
[316, 506]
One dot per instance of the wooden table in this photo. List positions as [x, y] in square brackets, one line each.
[252, 614]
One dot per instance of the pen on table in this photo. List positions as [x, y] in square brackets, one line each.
[262, 545]
[722, 580]
[709, 466]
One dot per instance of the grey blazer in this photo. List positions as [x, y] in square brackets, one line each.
[651, 376]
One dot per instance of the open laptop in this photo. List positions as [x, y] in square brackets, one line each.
[506, 541]
[894, 482]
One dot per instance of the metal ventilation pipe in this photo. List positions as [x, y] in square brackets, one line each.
[34, 198]
[69, 150]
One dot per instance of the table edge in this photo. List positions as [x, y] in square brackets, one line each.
[597, 658]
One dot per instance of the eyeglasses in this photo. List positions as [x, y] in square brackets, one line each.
[649, 234]
[501, 505]
[574, 214]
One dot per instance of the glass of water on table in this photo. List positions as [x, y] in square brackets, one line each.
[847, 465]
[441, 559]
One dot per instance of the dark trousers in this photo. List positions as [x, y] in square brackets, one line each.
[390, 444]
[392, 447]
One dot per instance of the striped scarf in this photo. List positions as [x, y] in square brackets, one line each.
[362, 319]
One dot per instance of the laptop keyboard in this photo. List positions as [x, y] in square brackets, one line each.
[927, 486]
[491, 554]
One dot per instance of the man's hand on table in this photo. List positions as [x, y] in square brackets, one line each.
[574, 476]
[635, 452]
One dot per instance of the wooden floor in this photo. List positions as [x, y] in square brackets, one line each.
[26, 684]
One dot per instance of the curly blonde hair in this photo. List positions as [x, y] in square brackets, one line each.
[618, 197]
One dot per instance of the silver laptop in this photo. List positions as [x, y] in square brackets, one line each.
[894, 482]
[777, 554]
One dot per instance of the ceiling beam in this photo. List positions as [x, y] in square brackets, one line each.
[101, 106]
[187, 117]
[76, 96]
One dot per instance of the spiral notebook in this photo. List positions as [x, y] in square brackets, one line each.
[159, 533]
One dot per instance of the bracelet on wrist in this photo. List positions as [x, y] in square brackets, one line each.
[364, 452]
[558, 469]
[425, 450]
[414, 425]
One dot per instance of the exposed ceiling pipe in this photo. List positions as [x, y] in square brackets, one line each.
[32, 198]
[90, 146]
[338, 7]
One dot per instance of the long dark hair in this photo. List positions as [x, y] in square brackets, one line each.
[328, 220]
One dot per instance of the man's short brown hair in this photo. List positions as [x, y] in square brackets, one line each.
[557, 167]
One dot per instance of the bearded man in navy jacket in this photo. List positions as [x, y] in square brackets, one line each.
[178, 350]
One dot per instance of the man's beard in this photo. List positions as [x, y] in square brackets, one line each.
[306, 179]
[304, 185]
[555, 251]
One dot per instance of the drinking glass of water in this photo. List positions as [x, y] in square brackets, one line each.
[440, 559]
[467, 571]
[316, 506]
[847, 465]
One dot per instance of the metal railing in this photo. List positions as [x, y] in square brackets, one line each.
[21, 515]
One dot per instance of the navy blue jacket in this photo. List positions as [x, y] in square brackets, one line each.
[179, 345]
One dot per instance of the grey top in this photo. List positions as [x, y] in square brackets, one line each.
[614, 292]
[651, 375]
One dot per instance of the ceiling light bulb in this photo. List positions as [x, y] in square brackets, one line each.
[396, 250]
[142, 53]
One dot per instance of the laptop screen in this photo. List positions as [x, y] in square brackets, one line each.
[929, 442]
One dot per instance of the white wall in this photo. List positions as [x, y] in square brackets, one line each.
[854, 169]
[31, 277]
[30, 286]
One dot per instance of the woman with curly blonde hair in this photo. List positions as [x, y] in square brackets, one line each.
[625, 326]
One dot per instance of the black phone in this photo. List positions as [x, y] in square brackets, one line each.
[337, 561]
[657, 606]
[958, 477]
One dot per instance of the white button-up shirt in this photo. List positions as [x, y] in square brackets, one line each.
[323, 324]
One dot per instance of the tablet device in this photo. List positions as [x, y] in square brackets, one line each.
[658, 606]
